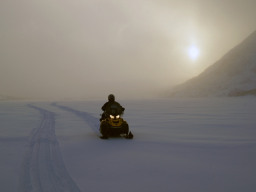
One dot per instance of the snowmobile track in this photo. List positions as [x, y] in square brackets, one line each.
[43, 168]
[92, 121]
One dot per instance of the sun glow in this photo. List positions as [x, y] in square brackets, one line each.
[193, 52]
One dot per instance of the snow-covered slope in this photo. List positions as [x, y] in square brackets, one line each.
[233, 75]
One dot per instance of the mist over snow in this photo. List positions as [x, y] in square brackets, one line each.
[233, 75]
[86, 49]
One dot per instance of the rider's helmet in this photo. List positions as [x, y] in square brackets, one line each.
[111, 97]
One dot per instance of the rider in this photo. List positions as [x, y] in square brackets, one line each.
[107, 105]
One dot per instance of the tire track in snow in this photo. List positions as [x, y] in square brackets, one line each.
[43, 167]
[92, 121]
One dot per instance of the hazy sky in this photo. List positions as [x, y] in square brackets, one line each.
[132, 48]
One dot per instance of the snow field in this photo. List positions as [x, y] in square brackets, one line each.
[179, 145]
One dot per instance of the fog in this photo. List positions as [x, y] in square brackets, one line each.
[85, 49]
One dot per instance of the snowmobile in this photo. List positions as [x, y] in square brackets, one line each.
[113, 125]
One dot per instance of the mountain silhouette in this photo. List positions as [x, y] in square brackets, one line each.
[233, 75]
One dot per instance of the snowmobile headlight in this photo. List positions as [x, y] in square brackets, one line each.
[118, 116]
[112, 117]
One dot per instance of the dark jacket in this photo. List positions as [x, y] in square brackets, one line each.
[108, 106]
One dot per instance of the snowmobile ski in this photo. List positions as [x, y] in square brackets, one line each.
[126, 136]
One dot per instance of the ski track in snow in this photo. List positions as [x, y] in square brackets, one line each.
[43, 167]
[92, 121]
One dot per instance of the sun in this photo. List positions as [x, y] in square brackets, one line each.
[193, 52]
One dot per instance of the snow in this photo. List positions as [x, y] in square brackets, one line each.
[196, 144]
